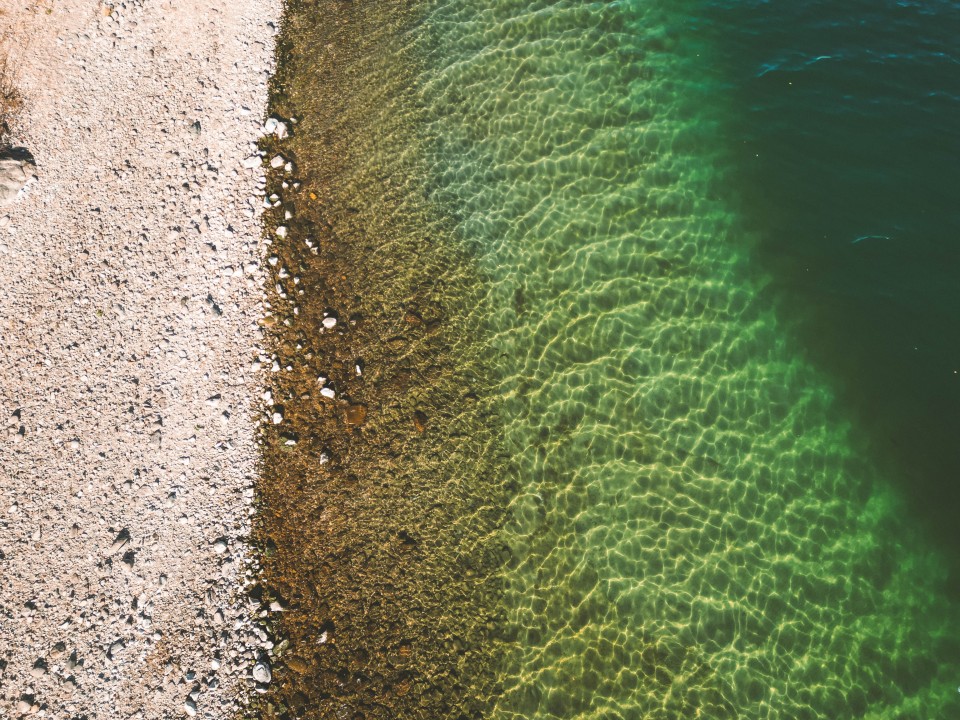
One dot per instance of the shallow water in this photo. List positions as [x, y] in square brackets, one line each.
[695, 522]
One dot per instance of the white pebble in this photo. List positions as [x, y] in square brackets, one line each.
[261, 672]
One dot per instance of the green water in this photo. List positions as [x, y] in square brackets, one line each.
[594, 472]
[698, 532]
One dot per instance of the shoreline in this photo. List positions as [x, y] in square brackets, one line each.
[382, 489]
[132, 283]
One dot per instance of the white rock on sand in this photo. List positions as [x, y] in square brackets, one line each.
[14, 175]
[121, 488]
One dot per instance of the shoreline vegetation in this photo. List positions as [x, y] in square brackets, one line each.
[382, 483]
[11, 101]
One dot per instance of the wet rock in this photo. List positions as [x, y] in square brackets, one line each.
[275, 127]
[298, 665]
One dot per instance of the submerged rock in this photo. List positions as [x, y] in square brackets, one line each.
[420, 421]
[356, 415]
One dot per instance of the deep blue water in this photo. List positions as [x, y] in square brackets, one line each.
[843, 124]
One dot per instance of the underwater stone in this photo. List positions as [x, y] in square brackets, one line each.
[356, 415]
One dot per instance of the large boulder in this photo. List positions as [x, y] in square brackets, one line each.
[16, 170]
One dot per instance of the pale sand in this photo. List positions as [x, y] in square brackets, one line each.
[114, 268]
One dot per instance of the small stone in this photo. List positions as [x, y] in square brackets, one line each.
[220, 546]
[261, 672]
[190, 707]
[282, 231]
[420, 421]
[276, 161]
[14, 175]
[328, 392]
[277, 418]
[356, 414]
[270, 126]
[329, 322]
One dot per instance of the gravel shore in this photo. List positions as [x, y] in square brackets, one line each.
[130, 285]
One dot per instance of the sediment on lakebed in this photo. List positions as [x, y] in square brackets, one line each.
[382, 482]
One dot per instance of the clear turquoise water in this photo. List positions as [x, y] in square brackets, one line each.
[703, 529]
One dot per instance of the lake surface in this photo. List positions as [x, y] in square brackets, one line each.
[696, 269]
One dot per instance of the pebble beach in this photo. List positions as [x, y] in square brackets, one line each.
[131, 279]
